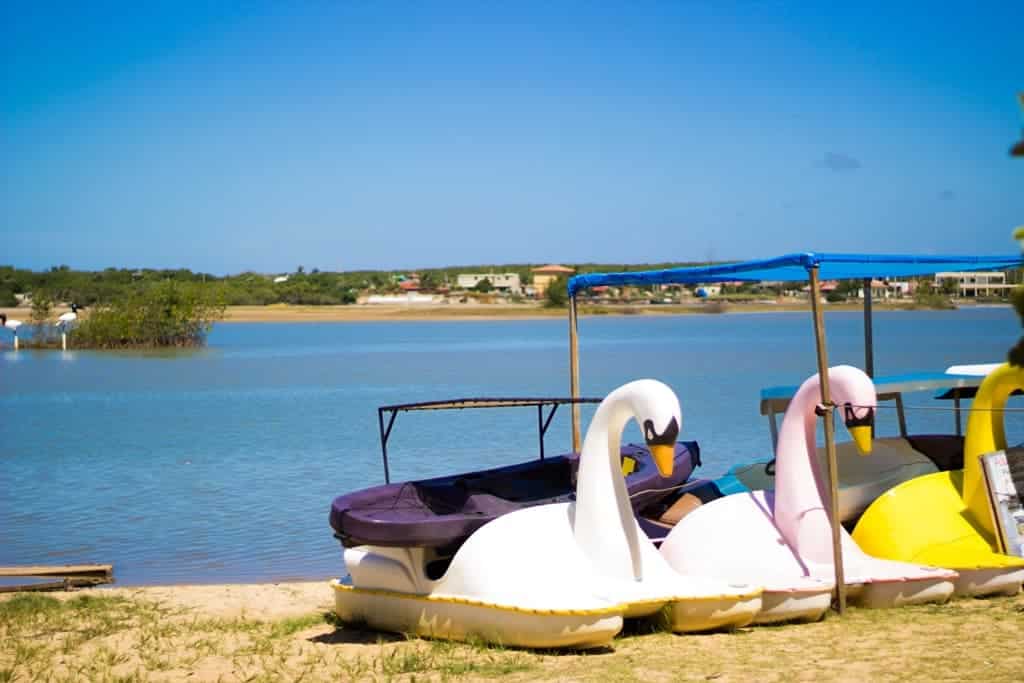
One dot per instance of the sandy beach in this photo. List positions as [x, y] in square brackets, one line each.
[284, 313]
[285, 631]
[507, 311]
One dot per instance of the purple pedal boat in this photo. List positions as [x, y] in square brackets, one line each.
[443, 512]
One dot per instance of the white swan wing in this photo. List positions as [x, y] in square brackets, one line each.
[734, 538]
[526, 559]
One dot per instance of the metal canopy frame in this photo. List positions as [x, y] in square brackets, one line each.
[775, 400]
[543, 422]
[810, 264]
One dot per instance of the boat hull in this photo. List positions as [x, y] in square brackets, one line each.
[977, 583]
[886, 594]
[719, 613]
[779, 607]
[453, 618]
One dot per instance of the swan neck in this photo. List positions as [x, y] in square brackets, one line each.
[798, 511]
[796, 458]
[603, 509]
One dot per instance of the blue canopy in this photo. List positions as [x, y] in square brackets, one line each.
[797, 267]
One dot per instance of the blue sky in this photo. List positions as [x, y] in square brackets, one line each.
[348, 135]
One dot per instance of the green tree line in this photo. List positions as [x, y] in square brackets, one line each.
[314, 287]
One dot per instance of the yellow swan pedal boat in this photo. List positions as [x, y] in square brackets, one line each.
[945, 519]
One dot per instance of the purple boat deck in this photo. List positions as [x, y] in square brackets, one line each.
[444, 511]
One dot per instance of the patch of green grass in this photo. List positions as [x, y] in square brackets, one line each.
[26, 605]
[450, 659]
[287, 627]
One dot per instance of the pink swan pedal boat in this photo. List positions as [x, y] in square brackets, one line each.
[782, 539]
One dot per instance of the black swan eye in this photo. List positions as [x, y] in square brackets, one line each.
[667, 437]
[851, 419]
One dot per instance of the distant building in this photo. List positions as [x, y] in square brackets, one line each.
[826, 286]
[280, 278]
[545, 275]
[405, 299]
[503, 282]
[409, 285]
[972, 284]
[889, 289]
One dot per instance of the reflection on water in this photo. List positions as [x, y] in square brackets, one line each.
[220, 464]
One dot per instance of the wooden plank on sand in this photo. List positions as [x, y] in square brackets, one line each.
[69, 570]
[63, 577]
[64, 584]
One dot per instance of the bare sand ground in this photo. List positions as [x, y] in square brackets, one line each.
[285, 632]
[260, 601]
[451, 312]
[383, 312]
[476, 311]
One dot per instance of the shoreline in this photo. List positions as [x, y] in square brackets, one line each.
[503, 312]
[285, 313]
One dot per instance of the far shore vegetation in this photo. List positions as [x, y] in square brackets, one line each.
[148, 308]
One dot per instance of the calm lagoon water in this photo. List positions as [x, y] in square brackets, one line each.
[220, 465]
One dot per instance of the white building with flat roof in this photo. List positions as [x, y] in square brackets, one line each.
[506, 282]
[988, 283]
[408, 298]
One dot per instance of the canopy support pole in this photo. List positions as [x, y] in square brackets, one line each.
[869, 345]
[542, 424]
[574, 373]
[830, 446]
[384, 434]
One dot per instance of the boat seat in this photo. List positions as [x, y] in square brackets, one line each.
[688, 502]
[447, 510]
[946, 451]
[657, 519]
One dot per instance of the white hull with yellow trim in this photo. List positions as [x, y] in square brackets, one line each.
[493, 591]
[453, 618]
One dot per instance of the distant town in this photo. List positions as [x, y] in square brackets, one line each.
[972, 285]
[521, 284]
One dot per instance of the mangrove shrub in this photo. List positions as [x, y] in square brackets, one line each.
[163, 314]
[556, 294]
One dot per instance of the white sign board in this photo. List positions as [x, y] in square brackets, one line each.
[1004, 477]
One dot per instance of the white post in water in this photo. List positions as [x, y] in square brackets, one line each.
[15, 340]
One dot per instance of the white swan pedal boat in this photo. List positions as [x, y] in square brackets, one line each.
[558, 575]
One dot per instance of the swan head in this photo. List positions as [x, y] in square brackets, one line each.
[656, 410]
[853, 393]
